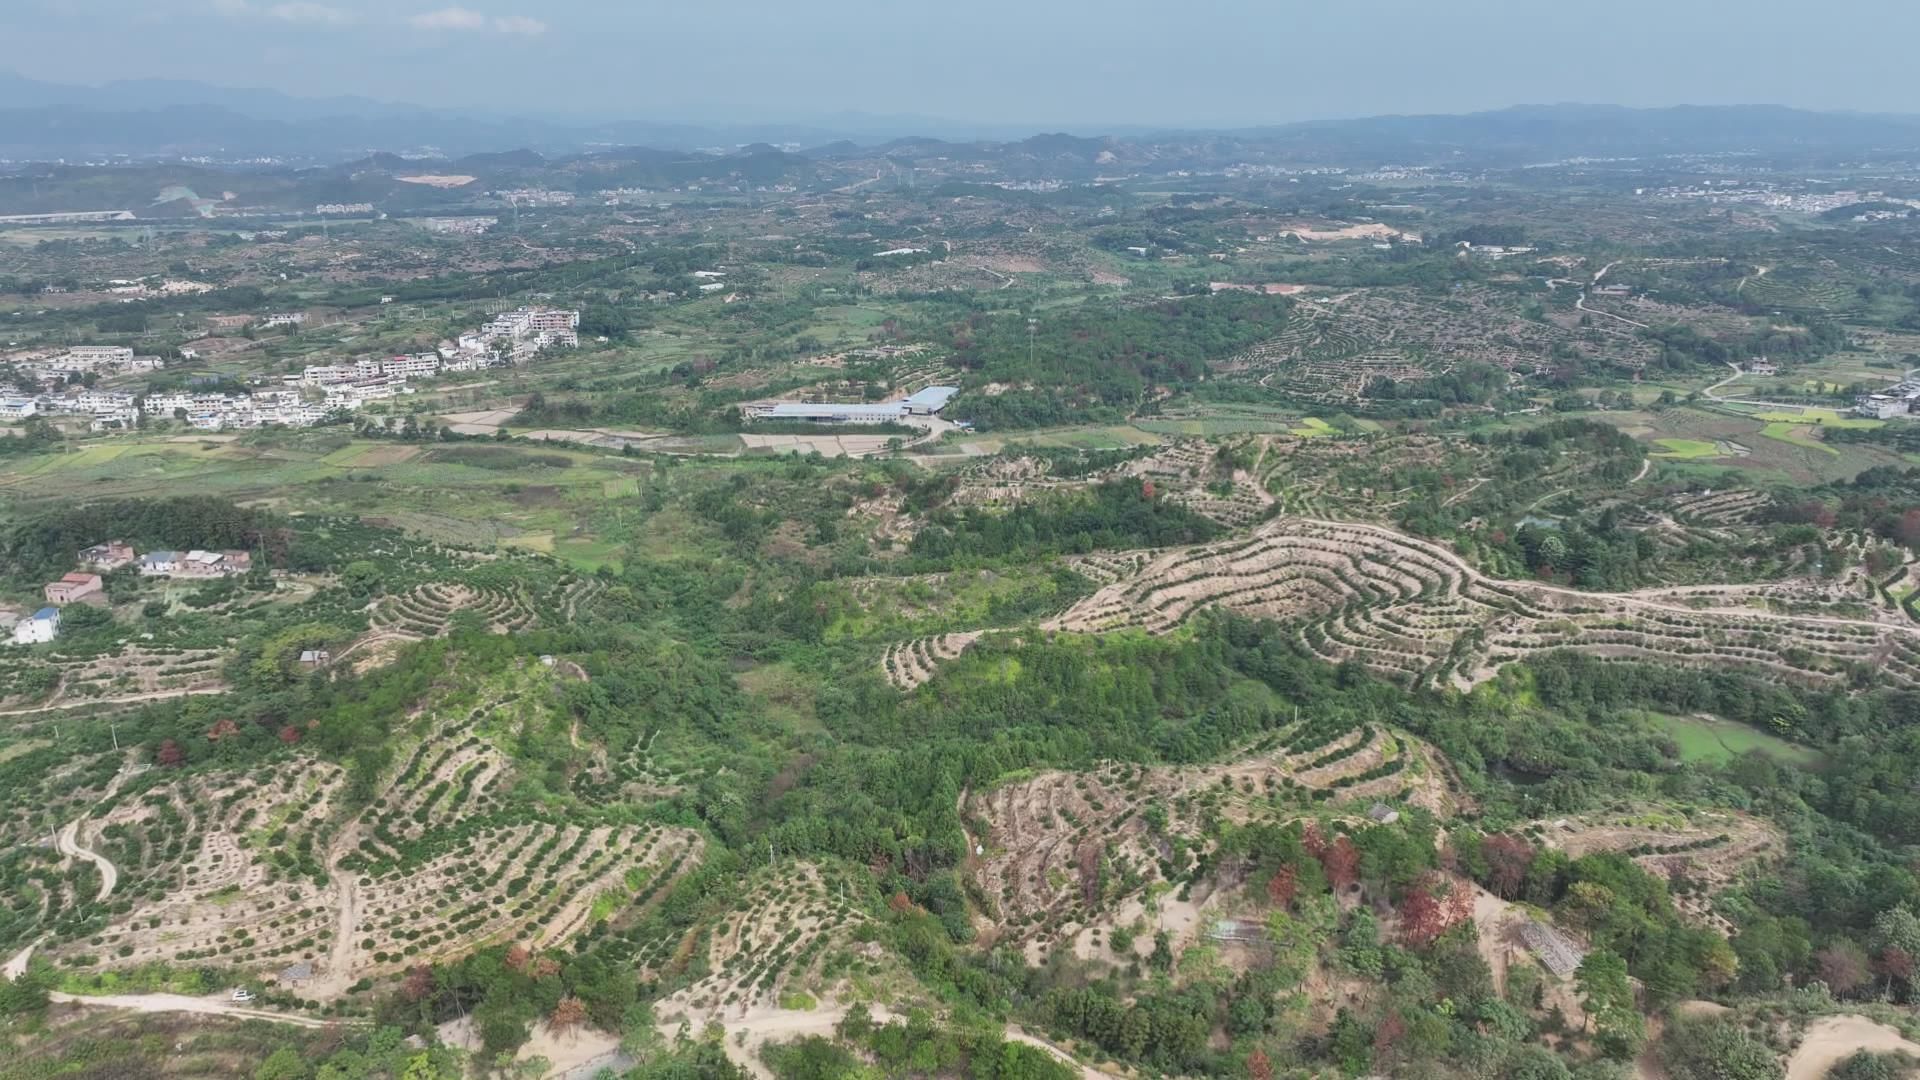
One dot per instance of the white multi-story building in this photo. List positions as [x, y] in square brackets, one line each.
[416, 365]
[322, 374]
[100, 355]
[165, 404]
[93, 401]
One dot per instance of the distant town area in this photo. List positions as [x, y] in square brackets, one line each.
[65, 383]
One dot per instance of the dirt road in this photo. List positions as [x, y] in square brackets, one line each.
[56, 705]
[1831, 1039]
[68, 843]
[16, 964]
[204, 1006]
[1087, 1072]
[762, 1025]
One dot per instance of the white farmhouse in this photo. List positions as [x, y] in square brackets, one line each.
[43, 626]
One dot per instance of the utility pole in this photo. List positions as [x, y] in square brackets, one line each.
[1032, 326]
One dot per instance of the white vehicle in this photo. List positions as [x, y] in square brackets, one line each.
[242, 994]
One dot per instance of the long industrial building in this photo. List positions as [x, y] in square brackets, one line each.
[926, 402]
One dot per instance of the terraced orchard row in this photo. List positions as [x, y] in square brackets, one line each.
[231, 873]
[431, 610]
[791, 934]
[1061, 853]
[1416, 611]
[259, 869]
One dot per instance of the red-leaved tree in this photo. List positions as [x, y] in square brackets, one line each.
[570, 1013]
[1508, 858]
[1341, 861]
[1282, 885]
[1894, 963]
[1907, 531]
[418, 984]
[1259, 1066]
[1431, 907]
[170, 754]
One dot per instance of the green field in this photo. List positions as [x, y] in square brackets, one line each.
[533, 496]
[1686, 449]
[1783, 431]
[1820, 418]
[1705, 740]
[1313, 426]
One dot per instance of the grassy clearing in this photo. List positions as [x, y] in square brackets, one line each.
[1214, 425]
[1782, 431]
[1109, 437]
[1708, 740]
[1686, 449]
[1821, 418]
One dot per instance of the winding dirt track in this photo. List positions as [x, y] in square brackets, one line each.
[68, 843]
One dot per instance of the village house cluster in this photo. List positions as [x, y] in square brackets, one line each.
[86, 586]
[304, 399]
[62, 376]
[1902, 399]
[522, 333]
[533, 197]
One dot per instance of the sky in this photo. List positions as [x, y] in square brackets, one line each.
[1072, 64]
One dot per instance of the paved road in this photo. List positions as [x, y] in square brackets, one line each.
[1581, 304]
[1713, 393]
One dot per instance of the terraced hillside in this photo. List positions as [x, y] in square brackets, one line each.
[228, 872]
[264, 870]
[1063, 851]
[1419, 613]
[430, 610]
[911, 663]
[779, 943]
[1415, 611]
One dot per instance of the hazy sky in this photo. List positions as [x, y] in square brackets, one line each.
[1041, 62]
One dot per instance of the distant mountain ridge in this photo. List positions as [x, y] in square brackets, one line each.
[42, 121]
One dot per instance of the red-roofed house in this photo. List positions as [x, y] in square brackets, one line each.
[76, 588]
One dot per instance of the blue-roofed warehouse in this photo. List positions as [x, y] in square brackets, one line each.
[930, 400]
[924, 402]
